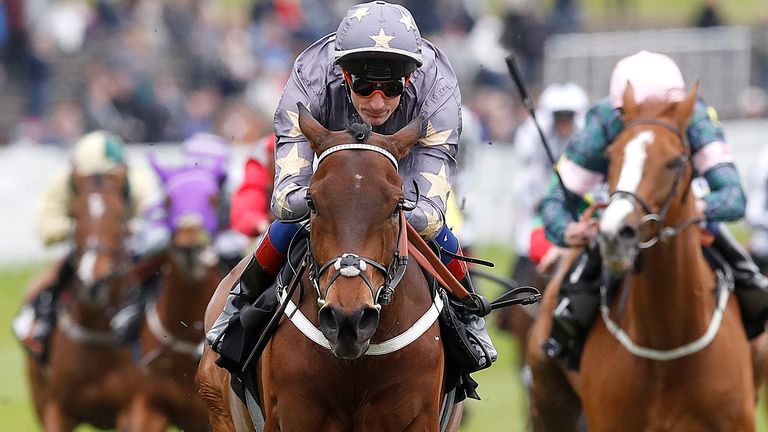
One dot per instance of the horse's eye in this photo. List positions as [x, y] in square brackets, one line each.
[311, 204]
[674, 163]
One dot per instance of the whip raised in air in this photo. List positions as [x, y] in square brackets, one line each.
[528, 102]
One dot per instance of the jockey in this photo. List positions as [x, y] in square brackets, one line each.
[212, 152]
[374, 69]
[584, 165]
[561, 111]
[757, 209]
[200, 152]
[95, 153]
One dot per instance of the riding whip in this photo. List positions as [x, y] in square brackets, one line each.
[528, 102]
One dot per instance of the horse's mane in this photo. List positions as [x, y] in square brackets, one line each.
[359, 131]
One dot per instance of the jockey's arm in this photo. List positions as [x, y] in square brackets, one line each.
[53, 222]
[581, 167]
[713, 159]
[434, 170]
[432, 165]
[293, 154]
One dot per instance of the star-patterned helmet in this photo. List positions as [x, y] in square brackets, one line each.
[378, 41]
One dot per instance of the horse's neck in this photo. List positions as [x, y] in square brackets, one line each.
[96, 316]
[181, 301]
[671, 298]
[411, 300]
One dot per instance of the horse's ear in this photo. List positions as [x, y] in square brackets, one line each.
[684, 109]
[161, 171]
[312, 129]
[402, 141]
[629, 104]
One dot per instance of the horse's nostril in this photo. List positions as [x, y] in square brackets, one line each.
[627, 234]
[369, 320]
[327, 318]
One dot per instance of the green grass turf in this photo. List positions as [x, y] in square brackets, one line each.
[503, 407]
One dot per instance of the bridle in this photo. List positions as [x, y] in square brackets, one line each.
[724, 277]
[663, 233]
[352, 265]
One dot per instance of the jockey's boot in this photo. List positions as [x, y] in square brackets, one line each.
[127, 322]
[751, 286]
[577, 306]
[35, 322]
[253, 282]
[479, 308]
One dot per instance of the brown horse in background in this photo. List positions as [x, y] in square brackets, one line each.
[356, 196]
[172, 335]
[89, 378]
[676, 377]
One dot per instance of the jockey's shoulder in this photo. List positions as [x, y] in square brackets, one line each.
[603, 109]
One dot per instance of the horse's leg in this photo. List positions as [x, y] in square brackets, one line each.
[241, 418]
[213, 383]
[759, 351]
[54, 419]
[37, 385]
[454, 421]
[554, 404]
[141, 416]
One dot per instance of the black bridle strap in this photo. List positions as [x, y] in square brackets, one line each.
[393, 273]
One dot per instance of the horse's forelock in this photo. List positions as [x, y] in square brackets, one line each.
[359, 131]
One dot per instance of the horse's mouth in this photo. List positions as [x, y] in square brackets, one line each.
[347, 351]
[618, 257]
[348, 334]
[618, 265]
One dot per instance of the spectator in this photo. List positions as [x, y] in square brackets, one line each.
[65, 124]
[524, 34]
[709, 15]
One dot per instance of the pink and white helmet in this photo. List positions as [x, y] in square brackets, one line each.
[653, 76]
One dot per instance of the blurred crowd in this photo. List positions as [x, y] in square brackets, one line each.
[154, 71]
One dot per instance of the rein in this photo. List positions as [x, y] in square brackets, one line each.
[353, 265]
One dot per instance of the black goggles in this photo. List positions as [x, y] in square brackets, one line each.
[364, 87]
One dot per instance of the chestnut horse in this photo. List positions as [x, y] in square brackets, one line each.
[89, 378]
[669, 352]
[344, 378]
[172, 334]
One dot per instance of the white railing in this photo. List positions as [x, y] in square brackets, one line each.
[26, 171]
